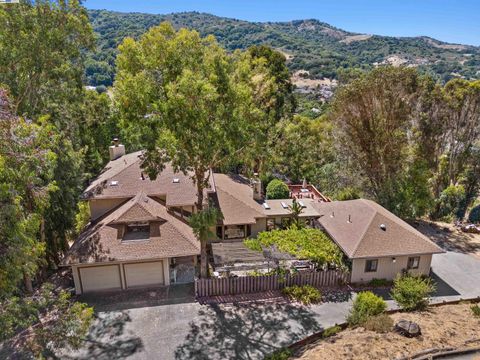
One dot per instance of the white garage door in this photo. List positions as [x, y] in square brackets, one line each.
[144, 274]
[100, 278]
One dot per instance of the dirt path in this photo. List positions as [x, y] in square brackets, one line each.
[442, 327]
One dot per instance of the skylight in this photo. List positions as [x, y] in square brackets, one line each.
[301, 204]
[176, 180]
[285, 206]
[266, 206]
[114, 183]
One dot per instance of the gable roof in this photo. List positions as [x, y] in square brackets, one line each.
[122, 178]
[372, 231]
[235, 200]
[102, 240]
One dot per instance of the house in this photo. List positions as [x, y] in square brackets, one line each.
[379, 244]
[139, 233]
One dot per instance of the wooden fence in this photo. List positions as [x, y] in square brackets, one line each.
[254, 284]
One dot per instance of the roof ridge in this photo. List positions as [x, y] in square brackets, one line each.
[375, 211]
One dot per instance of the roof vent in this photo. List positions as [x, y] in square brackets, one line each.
[266, 206]
[383, 227]
[333, 214]
[176, 180]
[349, 218]
[114, 183]
[285, 206]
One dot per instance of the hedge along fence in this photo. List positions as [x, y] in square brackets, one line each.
[255, 284]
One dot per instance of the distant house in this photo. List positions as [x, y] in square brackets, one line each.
[139, 233]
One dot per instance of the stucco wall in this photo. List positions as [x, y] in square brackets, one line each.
[99, 207]
[387, 269]
[259, 226]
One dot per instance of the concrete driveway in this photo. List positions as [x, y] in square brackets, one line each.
[183, 329]
[459, 274]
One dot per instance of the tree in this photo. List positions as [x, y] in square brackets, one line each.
[277, 189]
[41, 49]
[182, 98]
[202, 224]
[296, 209]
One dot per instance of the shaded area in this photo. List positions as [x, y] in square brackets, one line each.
[245, 331]
[108, 339]
[442, 288]
[448, 237]
[139, 298]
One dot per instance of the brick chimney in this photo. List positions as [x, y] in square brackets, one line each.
[116, 150]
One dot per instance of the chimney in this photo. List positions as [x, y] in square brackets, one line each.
[257, 189]
[116, 150]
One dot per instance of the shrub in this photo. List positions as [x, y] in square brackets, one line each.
[365, 305]
[474, 215]
[281, 354]
[475, 310]
[332, 330]
[277, 189]
[348, 193]
[412, 292]
[381, 323]
[379, 282]
[306, 294]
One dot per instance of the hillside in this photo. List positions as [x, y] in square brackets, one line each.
[310, 45]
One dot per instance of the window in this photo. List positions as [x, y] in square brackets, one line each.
[285, 222]
[219, 232]
[413, 262]
[137, 231]
[234, 232]
[371, 265]
[270, 224]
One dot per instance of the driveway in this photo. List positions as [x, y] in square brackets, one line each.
[459, 274]
[182, 329]
[168, 324]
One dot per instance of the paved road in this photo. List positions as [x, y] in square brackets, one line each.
[166, 326]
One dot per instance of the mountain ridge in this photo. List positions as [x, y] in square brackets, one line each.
[311, 45]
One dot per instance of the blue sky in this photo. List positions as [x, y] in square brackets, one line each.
[455, 21]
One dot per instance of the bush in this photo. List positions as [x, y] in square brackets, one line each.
[281, 354]
[306, 294]
[365, 305]
[474, 215]
[475, 310]
[412, 292]
[348, 193]
[381, 323]
[332, 330]
[277, 189]
[379, 282]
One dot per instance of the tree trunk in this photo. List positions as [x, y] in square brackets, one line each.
[27, 280]
[199, 176]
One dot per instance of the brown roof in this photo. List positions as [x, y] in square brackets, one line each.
[102, 242]
[363, 236]
[121, 178]
[235, 199]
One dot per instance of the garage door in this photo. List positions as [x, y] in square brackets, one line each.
[144, 274]
[100, 278]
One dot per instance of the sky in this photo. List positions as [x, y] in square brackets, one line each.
[456, 21]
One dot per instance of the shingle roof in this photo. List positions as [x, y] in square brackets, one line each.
[101, 241]
[364, 237]
[235, 199]
[121, 178]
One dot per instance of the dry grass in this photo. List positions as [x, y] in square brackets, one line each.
[442, 327]
[449, 237]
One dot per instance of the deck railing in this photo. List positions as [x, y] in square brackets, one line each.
[254, 284]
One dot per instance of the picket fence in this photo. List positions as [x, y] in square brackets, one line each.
[255, 284]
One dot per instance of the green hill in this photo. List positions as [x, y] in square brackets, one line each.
[309, 45]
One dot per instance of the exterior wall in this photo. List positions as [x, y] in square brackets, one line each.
[387, 269]
[98, 207]
[259, 226]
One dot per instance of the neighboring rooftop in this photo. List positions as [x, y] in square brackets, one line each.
[362, 229]
[103, 240]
